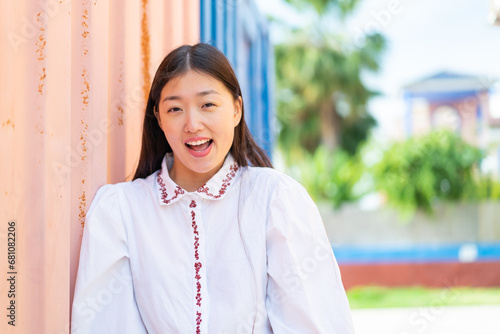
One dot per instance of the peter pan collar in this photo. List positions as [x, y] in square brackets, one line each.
[216, 188]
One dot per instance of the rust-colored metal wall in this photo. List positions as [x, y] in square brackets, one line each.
[73, 77]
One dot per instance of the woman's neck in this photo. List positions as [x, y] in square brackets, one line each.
[190, 180]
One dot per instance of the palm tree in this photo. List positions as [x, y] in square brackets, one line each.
[321, 98]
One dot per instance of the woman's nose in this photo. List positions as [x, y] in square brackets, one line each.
[193, 121]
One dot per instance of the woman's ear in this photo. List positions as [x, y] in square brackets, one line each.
[238, 106]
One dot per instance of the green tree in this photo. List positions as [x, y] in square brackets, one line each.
[321, 97]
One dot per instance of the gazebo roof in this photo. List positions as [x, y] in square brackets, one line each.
[445, 82]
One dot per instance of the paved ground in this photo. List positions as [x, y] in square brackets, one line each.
[429, 320]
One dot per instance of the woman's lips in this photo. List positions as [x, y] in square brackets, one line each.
[200, 151]
[199, 146]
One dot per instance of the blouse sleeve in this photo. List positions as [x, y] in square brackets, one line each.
[104, 299]
[304, 290]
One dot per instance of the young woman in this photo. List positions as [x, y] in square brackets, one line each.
[207, 238]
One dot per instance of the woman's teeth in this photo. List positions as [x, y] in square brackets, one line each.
[199, 142]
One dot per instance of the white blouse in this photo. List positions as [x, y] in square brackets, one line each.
[245, 253]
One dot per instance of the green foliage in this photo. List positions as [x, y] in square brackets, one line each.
[413, 174]
[354, 133]
[381, 297]
[487, 188]
[344, 7]
[416, 172]
[335, 177]
[320, 92]
[321, 98]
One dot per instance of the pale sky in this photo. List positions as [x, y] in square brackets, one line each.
[424, 37]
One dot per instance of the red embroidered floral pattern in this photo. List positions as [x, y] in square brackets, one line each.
[197, 265]
[225, 183]
[178, 191]
[198, 322]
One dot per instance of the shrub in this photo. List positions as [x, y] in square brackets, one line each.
[415, 173]
[332, 176]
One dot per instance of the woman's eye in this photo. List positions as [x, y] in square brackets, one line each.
[209, 105]
[174, 109]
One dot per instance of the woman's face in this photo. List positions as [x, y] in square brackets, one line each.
[198, 116]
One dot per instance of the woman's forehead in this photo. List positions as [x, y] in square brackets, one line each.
[193, 84]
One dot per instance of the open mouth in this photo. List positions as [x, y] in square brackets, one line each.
[200, 145]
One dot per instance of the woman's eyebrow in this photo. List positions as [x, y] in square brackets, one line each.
[206, 92]
[203, 93]
[173, 97]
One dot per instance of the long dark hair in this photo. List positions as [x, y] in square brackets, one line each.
[207, 59]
